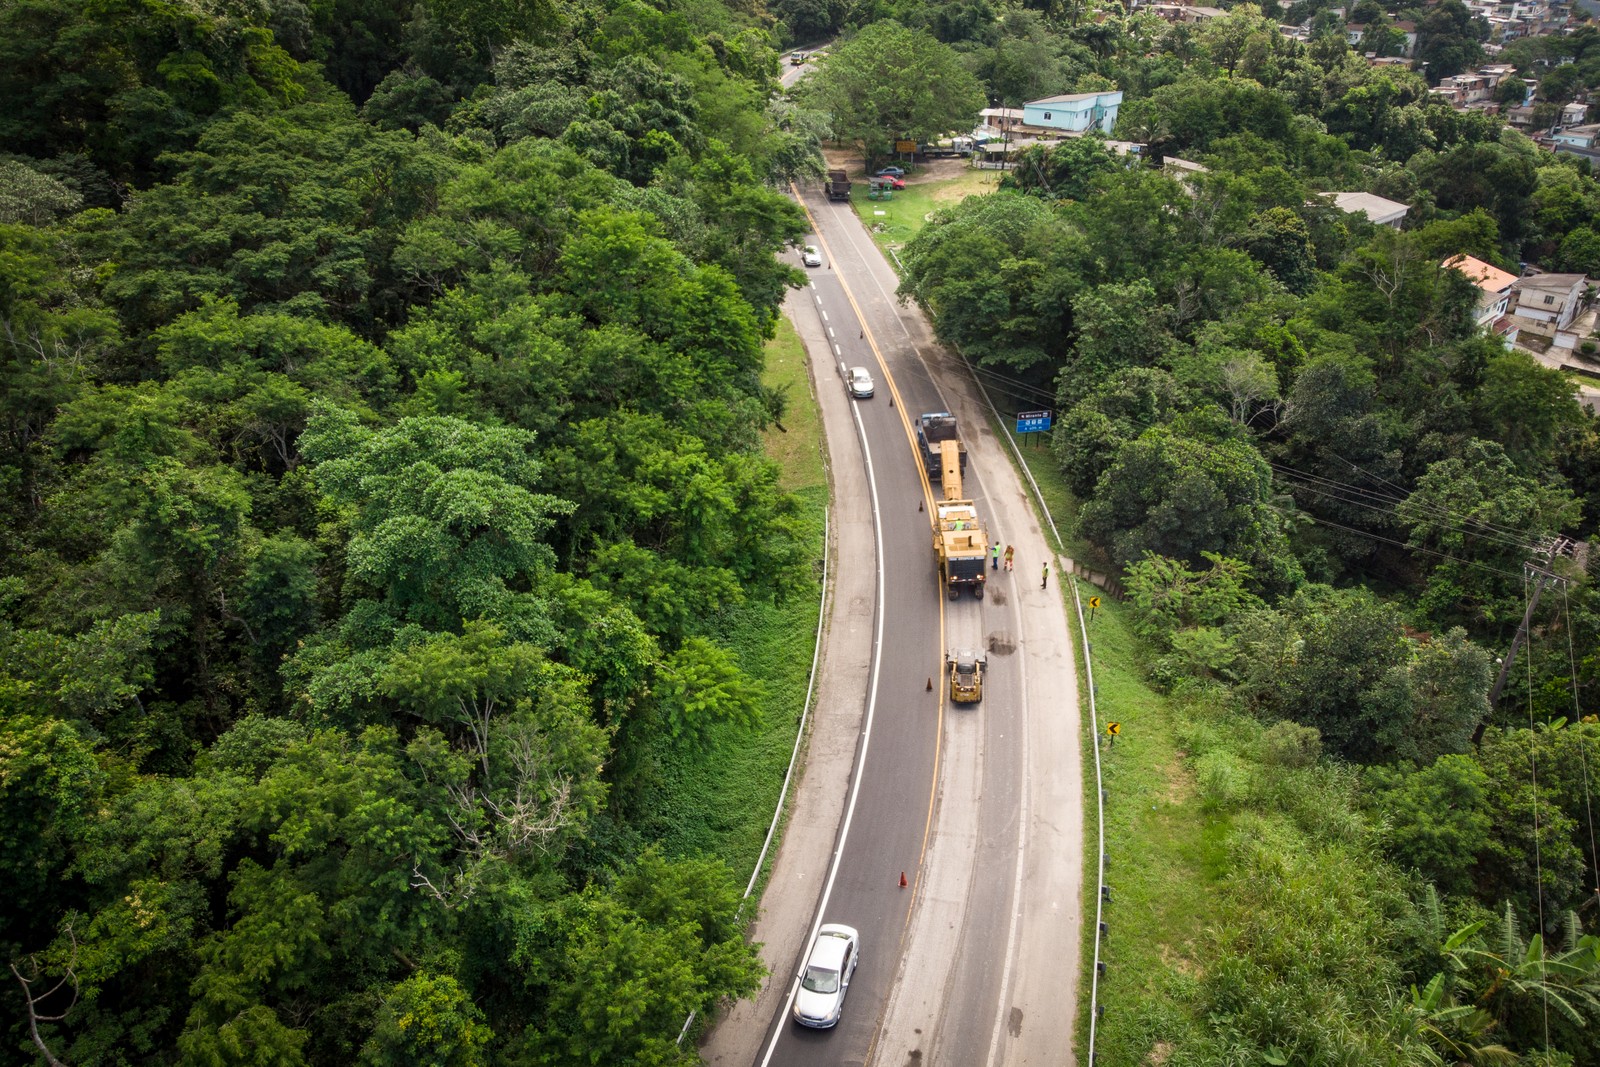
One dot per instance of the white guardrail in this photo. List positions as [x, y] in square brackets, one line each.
[1094, 724]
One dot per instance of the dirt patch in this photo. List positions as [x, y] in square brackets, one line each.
[1180, 781]
[933, 170]
[1160, 1053]
[1176, 961]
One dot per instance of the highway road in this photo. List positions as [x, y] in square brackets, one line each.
[894, 798]
[975, 961]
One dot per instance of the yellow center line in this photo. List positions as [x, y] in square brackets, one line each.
[927, 493]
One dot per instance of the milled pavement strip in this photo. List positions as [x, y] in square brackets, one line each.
[801, 865]
[1043, 993]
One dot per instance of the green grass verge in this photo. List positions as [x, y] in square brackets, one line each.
[795, 445]
[1166, 852]
[719, 801]
[895, 221]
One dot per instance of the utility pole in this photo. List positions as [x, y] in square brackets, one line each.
[1559, 546]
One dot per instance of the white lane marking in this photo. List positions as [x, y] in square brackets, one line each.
[866, 733]
[824, 316]
[836, 351]
[830, 331]
[1002, 1014]
[850, 237]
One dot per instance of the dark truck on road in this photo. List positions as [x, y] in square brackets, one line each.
[837, 186]
[932, 428]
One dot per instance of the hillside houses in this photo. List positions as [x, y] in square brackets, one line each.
[1477, 90]
[1495, 293]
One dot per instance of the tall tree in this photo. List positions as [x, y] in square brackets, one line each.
[890, 83]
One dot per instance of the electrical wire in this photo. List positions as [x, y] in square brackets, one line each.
[1538, 869]
[1583, 740]
[1310, 484]
[1474, 527]
[1320, 521]
[1015, 385]
[1405, 494]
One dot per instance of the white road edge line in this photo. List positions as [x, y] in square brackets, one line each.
[866, 736]
[1016, 889]
[1001, 1015]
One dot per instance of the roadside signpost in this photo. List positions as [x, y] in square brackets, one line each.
[1033, 422]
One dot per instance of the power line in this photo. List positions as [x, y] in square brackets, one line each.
[1310, 482]
[1538, 868]
[1424, 504]
[1016, 384]
[1583, 741]
[1510, 535]
[1319, 520]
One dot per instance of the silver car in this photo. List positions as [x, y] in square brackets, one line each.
[826, 977]
[860, 383]
[810, 256]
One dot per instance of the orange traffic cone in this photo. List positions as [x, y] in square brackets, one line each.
[930, 685]
[902, 879]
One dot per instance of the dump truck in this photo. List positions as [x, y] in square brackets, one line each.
[934, 428]
[837, 186]
[966, 669]
[959, 538]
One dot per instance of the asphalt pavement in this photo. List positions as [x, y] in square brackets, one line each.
[976, 960]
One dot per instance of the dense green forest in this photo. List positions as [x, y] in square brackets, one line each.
[1320, 482]
[380, 463]
[380, 458]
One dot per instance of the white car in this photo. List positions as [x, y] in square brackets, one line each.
[810, 256]
[860, 383]
[826, 977]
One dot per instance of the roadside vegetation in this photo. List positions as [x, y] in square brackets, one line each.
[718, 799]
[404, 619]
[1282, 430]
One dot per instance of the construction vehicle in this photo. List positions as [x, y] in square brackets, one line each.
[797, 59]
[967, 669]
[933, 428]
[837, 186]
[959, 538]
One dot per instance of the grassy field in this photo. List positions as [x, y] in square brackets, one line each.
[797, 447]
[895, 221]
[720, 802]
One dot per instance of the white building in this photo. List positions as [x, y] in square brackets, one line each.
[1551, 301]
[1379, 212]
[1494, 287]
[1074, 112]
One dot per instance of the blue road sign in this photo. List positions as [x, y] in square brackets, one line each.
[1033, 421]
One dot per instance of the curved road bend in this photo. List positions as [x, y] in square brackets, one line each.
[982, 970]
